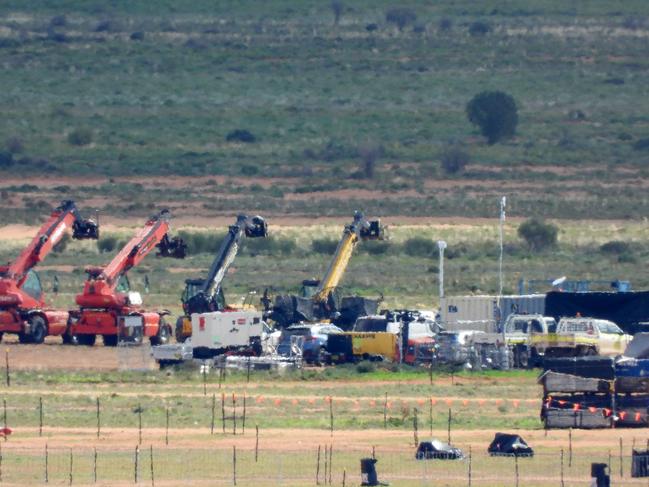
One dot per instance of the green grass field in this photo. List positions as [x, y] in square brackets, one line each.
[155, 87]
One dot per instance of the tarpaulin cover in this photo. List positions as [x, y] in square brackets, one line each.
[509, 444]
[439, 450]
[627, 310]
[639, 346]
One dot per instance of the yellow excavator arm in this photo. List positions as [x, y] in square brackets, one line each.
[359, 229]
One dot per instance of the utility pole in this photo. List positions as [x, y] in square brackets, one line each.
[441, 245]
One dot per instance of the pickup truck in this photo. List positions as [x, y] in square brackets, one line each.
[580, 336]
[525, 336]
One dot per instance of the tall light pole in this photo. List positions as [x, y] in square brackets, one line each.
[503, 202]
[441, 245]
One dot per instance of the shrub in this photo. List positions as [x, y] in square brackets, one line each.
[445, 24]
[420, 247]
[240, 135]
[6, 159]
[375, 247]
[14, 145]
[80, 136]
[369, 153]
[201, 242]
[495, 113]
[270, 246]
[58, 21]
[107, 243]
[371, 27]
[324, 246]
[137, 36]
[249, 170]
[365, 367]
[478, 28]
[454, 160]
[641, 144]
[400, 16]
[615, 247]
[337, 7]
[537, 234]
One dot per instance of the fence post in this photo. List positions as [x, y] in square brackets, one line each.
[98, 417]
[94, 466]
[516, 466]
[152, 470]
[317, 468]
[47, 460]
[430, 415]
[570, 447]
[204, 367]
[256, 442]
[234, 414]
[167, 427]
[470, 465]
[0, 462]
[139, 419]
[248, 372]
[234, 465]
[562, 484]
[135, 462]
[243, 425]
[385, 412]
[4, 414]
[621, 459]
[7, 375]
[70, 466]
[344, 476]
[415, 428]
[450, 418]
[326, 464]
[331, 415]
[223, 411]
[40, 416]
[331, 460]
[213, 412]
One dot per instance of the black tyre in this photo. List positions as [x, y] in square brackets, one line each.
[87, 340]
[70, 339]
[523, 358]
[24, 338]
[163, 336]
[321, 357]
[1, 336]
[179, 329]
[38, 329]
[110, 340]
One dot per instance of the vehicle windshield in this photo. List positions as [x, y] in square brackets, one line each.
[123, 285]
[32, 285]
[287, 334]
[371, 325]
[608, 327]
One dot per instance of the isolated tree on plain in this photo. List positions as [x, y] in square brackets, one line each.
[400, 16]
[495, 113]
[337, 7]
[538, 235]
[453, 159]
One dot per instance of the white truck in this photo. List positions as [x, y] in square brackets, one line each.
[581, 336]
[217, 333]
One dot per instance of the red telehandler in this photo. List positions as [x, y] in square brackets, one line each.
[107, 307]
[22, 305]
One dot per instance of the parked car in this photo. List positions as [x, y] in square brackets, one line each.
[580, 336]
[311, 339]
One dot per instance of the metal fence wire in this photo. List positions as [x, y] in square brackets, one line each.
[149, 465]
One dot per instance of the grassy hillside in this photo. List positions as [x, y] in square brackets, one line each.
[153, 88]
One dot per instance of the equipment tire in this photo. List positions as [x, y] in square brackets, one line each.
[321, 357]
[38, 329]
[523, 358]
[163, 336]
[69, 339]
[179, 330]
[87, 340]
[1, 336]
[24, 338]
[110, 340]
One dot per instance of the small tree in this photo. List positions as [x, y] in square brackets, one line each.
[337, 8]
[495, 113]
[80, 136]
[537, 234]
[400, 16]
[454, 160]
[369, 153]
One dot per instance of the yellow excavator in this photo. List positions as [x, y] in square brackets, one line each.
[319, 299]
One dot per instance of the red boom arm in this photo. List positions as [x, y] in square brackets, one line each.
[99, 289]
[63, 217]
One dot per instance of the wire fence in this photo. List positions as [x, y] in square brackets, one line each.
[326, 466]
